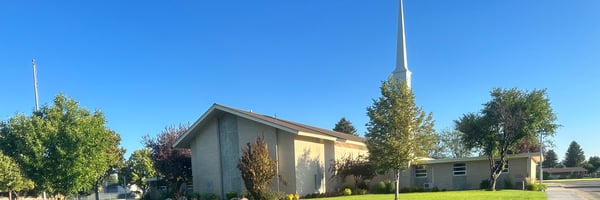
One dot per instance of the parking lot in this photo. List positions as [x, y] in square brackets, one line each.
[574, 190]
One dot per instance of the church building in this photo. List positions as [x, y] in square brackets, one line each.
[304, 153]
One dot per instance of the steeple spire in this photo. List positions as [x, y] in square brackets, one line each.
[401, 73]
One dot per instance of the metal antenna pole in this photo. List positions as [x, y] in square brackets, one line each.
[35, 90]
[540, 188]
[36, 101]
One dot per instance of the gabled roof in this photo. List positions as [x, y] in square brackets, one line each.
[289, 126]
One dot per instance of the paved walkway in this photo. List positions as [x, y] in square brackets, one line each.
[556, 191]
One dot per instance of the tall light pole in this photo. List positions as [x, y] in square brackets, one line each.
[541, 160]
[35, 90]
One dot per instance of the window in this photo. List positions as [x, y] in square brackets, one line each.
[505, 169]
[460, 169]
[420, 171]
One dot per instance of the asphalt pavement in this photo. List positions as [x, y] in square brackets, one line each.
[574, 190]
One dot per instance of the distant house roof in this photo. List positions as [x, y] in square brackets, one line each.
[534, 156]
[565, 170]
[289, 126]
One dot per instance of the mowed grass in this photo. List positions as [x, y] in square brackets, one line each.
[450, 195]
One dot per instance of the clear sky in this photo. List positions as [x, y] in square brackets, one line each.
[150, 64]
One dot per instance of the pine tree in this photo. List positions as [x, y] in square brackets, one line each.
[550, 159]
[345, 126]
[574, 156]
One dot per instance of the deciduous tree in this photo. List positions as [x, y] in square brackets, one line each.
[12, 179]
[345, 126]
[593, 164]
[507, 119]
[138, 168]
[398, 132]
[574, 157]
[358, 167]
[451, 145]
[257, 168]
[173, 164]
[62, 147]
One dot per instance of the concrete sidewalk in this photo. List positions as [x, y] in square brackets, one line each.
[555, 191]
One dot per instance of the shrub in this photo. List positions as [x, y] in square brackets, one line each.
[209, 196]
[347, 192]
[405, 190]
[390, 187]
[270, 195]
[257, 169]
[485, 184]
[418, 189]
[292, 197]
[535, 187]
[231, 195]
[361, 192]
[379, 188]
[194, 196]
[508, 184]
[435, 189]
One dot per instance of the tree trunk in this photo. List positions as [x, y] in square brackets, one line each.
[96, 192]
[10, 194]
[493, 179]
[397, 175]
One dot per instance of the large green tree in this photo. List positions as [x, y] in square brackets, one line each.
[450, 145]
[593, 164]
[61, 147]
[12, 179]
[398, 132]
[173, 164]
[510, 117]
[550, 159]
[345, 126]
[574, 157]
[257, 168]
[112, 157]
[138, 168]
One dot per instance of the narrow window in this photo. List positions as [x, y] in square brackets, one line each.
[459, 169]
[420, 171]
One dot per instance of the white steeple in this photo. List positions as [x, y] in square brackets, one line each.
[401, 73]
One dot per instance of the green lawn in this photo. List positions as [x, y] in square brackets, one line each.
[450, 195]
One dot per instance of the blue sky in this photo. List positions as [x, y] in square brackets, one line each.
[150, 64]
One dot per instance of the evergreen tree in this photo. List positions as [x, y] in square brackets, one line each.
[345, 126]
[574, 156]
[550, 159]
[398, 132]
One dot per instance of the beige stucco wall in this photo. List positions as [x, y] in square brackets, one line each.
[206, 159]
[441, 174]
[280, 145]
[310, 165]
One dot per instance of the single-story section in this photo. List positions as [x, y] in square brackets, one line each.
[467, 173]
[303, 152]
[304, 155]
[565, 172]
